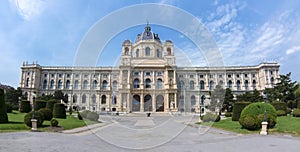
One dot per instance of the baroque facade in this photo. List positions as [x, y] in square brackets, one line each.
[147, 79]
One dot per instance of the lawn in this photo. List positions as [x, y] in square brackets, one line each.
[16, 123]
[285, 124]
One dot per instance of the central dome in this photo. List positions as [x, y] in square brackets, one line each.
[147, 35]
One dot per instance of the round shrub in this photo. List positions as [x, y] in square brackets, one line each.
[54, 122]
[249, 122]
[209, 117]
[47, 114]
[270, 119]
[281, 113]
[84, 113]
[9, 108]
[228, 114]
[50, 104]
[25, 106]
[37, 115]
[296, 113]
[237, 109]
[258, 108]
[39, 104]
[59, 111]
[280, 106]
[93, 116]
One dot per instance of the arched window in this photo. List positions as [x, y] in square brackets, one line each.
[201, 85]
[104, 84]
[169, 51]
[76, 84]
[137, 53]
[211, 85]
[159, 84]
[95, 84]
[68, 84]
[85, 84]
[254, 84]
[83, 98]
[229, 84]
[147, 51]
[272, 81]
[93, 99]
[27, 82]
[181, 85]
[136, 83]
[246, 84]
[126, 51]
[193, 100]
[157, 53]
[148, 83]
[74, 98]
[52, 84]
[115, 84]
[45, 84]
[192, 85]
[103, 99]
[221, 83]
[59, 84]
[238, 84]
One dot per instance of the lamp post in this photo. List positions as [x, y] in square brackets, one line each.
[33, 120]
[264, 124]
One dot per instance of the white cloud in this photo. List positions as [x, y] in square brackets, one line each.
[293, 50]
[29, 8]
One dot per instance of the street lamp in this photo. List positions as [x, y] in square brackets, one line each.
[264, 124]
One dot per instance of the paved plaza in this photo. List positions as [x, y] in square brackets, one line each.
[136, 132]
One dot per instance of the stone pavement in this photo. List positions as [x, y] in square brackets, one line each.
[138, 133]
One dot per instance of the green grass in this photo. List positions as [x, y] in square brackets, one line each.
[285, 124]
[16, 123]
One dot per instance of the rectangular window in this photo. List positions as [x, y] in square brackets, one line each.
[191, 76]
[220, 76]
[148, 74]
[201, 76]
[229, 76]
[246, 75]
[45, 75]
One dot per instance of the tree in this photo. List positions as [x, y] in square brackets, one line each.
[59, 95]
[217, 97]
[284, 90]
[12, 97]
[3, 113]
[254, 96]
[228, 100]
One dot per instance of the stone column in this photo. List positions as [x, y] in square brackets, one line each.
[153, 102]
[142, 103]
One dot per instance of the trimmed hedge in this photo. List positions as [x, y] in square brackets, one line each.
[50, 104]
[280, 106]
[54, 122]
[209, 117]
[250, 122]
[93, 116]
[281, 113]
[296, 113]
[228, 114]
[39, 104]
[237, 109]
[3, 113]
[59, 111]
[25, 106]
[9, 108]
[37, 115]
[270, 119]
[258, 108]
[47, 114]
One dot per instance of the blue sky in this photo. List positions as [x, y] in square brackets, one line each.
[50, 32]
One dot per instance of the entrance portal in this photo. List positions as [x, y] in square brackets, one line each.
[159, 103]
[136, 103]
[148, 103]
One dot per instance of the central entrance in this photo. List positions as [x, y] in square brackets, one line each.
[148, 103]
[160, 103]
[136, 103]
